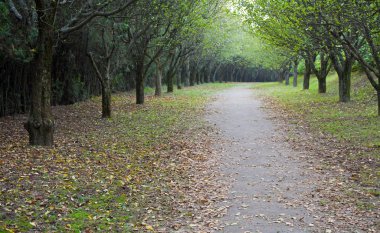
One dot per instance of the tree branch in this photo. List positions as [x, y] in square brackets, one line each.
[14, 10]
[76, 23]
[98, 74]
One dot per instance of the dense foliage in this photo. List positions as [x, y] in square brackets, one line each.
[63, 52]
[338, 33]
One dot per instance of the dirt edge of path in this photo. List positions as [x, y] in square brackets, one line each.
[339, 196]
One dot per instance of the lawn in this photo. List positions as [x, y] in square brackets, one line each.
[354, 124]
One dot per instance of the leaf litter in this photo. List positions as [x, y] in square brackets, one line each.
[341, 201]
[148, 169]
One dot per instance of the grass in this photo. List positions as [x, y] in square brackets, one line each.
[355, 123]
[102, 175]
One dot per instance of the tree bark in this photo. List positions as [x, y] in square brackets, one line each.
[343, 66]
[193, 77]
[280, 74]
[309, 68]
[158, 80]
[322, 72]
[169, 78]
[198, 77]
[213, 79]
[306, 75]
[40, 124]
[106, 100]
[179, 78]
[344, 75]
[105, 82]
[378, 102]
[106, 91]
[322, 85]
[286, 74]
[187, 73]
[295, 74]
[345, 85]
[140, 96]
[203, 76]
[209, 71]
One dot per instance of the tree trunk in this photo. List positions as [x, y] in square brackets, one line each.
[295, 74]
[105, 82]
[322, 85]
[140, 85]
[158, 80]
[306, 78]
[345, 86]
[280, 76]
[343, 67]
[170, 86]
[378, 102]
[323, 71]
[309, 64]
[221, 76]
[209, 71]
[179, 78]
[193, 76]
[215, 73]
[187, 73]
[286, 74]
[106, 99]
[40, 124]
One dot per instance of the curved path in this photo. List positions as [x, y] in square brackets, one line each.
[267, 180]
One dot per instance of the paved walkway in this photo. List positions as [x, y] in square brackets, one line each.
[267, 179]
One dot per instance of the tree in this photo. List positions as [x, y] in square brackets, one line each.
[40, 124]
[103, 66]
[323, 70]
[146, 34]
[275, 23]
[361, 18]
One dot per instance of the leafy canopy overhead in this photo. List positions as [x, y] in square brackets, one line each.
[228, 38]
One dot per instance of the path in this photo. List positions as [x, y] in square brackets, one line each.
[267, 179]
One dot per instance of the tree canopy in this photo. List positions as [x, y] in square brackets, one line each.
[59, 52]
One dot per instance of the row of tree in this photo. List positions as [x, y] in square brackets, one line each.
[337, 33]
[44, 40]
[61, 52]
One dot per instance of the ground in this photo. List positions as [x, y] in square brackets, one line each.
[274, 186]
[212, 158]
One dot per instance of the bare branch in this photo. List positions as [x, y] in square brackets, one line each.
[76, 23]
[14, 10]
[98, 74]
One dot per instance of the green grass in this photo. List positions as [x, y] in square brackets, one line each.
[355, 123]
[103, 174]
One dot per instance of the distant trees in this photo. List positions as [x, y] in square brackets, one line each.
[151, 32]
[338, 33]
[65, 51]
